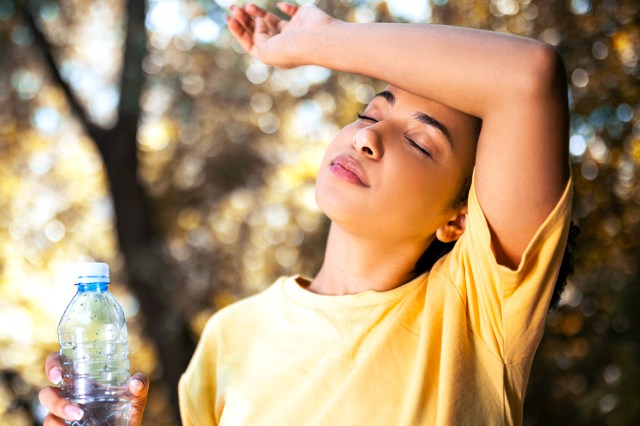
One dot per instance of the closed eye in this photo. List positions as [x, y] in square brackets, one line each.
[413, 144]
[417, 147]
[366, 117]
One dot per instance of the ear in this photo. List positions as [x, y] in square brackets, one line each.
[454, 228]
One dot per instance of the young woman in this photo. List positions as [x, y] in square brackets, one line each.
[376, 337]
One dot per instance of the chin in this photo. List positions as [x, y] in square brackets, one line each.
[336, 206]
[328, 202]
[347, 212]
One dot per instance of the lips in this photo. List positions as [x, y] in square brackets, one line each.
[346, 168]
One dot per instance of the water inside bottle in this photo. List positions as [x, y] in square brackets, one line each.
[109, 412]
[94, 354]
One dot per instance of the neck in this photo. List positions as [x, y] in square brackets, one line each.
[354, 264]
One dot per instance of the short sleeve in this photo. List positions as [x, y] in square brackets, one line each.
[197, 387]
[506, 308]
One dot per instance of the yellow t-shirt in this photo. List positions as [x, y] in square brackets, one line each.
[452, 347]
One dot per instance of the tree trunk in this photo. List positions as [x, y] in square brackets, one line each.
[151, 275]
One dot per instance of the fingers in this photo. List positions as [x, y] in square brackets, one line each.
[263, 30]
[59, 408]
[51, 398]
[255, 10]
[252, 26]
[240, 29]
[271, 20]
[240, 33]
[139, 389]
[51, 420]
[53, 368]
[249, 14]
[287, 8]
[243, 17]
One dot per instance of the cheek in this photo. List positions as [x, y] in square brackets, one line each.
[327, 193]
[335, 200]
[417, 198]
[410, 207]
[341, 143]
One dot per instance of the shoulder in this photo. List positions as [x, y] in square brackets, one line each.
[474, 255]
[480, 237]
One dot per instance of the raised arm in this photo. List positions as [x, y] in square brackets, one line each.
[515, 85]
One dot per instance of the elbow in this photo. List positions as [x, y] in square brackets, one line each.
[547, 75]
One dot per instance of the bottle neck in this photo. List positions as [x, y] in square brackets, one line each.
[99, 287]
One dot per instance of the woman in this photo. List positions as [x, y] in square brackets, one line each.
[373, 338]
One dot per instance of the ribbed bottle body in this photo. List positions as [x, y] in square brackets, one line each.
[95, 356]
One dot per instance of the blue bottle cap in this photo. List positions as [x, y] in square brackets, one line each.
[92, 272]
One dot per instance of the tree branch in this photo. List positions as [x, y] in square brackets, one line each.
[132, 77]
[152, 276]
[47, 51]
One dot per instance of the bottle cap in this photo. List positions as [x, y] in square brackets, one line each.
[92, 272]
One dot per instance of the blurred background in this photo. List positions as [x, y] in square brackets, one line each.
[136, 133]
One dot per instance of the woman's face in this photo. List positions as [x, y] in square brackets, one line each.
[394, 172]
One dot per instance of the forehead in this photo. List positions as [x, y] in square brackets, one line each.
[455, 120]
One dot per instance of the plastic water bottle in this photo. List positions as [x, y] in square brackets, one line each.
[94, 350]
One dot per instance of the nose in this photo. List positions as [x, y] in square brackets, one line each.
[367, 141]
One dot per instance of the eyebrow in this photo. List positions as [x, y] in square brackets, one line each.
[420, 116]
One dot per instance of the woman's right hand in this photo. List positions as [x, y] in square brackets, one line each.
[61, 409]
[278, 42]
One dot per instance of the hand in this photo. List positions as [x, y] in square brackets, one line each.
[276, 41]
[60, 408]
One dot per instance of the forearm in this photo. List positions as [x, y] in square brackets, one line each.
[516, 85]
[470, 70]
